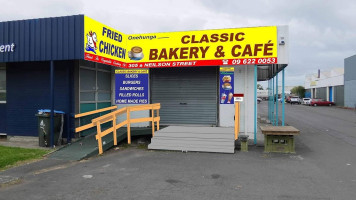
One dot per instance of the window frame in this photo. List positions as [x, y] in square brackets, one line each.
[96, 67]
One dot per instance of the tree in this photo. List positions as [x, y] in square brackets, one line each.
[298, 90]
[259, 86]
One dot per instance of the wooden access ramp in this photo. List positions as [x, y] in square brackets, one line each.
[201, 139]
[116, 124]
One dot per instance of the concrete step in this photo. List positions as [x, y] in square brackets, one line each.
[192, 136]
[204, 139]
[187, 139]
[202, 143]
[192, 148]
[197, 130]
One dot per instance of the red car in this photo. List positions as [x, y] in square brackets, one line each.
[320, 102]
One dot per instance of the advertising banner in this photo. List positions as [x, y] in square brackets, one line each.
[243, 46]
[237, 46]
[131, 86]
[103, 44]
[226, 80]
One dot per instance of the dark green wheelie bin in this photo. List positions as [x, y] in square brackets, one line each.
[44, 127]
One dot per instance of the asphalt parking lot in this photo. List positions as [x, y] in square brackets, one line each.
[324, 167]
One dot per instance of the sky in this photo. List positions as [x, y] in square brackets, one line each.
[322, 32]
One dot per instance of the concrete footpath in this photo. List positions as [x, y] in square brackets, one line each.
[82, 148]
[140, 174]
[21, 141]
[324, 167]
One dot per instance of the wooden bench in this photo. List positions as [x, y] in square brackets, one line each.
[279, 139]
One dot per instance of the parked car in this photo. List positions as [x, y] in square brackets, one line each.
[288, 99]
[280, 100]
[259, 100]
[295, 99]
[321, 102]
[306, 101]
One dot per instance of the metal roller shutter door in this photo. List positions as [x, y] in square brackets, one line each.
[187, 95]
[339, 95]
[321, 93]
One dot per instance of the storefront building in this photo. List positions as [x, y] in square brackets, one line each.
[86, 65]
[350, 81]
[327, 85]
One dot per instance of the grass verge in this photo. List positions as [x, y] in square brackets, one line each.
[10, 156]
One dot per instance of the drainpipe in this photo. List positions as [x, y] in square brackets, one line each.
[255, 114]
[283, 97]
[52, 103]
[272, 103]
[245, 103]
[269, 99]
[277, 100]
[69, 136]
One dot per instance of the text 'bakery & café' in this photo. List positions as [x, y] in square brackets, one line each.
[200, 52]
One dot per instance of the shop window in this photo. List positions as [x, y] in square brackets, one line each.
[95, 91]
[95, 84]
[2, 85]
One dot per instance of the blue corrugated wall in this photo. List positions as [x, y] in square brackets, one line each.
[28, 89]
[57, 38]
[60, 39]
[2, 118]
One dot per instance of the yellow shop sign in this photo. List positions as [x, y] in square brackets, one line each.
[238, 46]
[103, 44]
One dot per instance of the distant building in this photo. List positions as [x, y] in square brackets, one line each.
[350, 81]
[264, 93]
[328, 85]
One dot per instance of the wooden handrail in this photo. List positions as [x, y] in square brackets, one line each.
[113, 117]
[107, 116]
[94, 112]
[91, 125]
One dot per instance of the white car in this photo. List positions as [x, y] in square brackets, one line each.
[295, 99]
[306, 101]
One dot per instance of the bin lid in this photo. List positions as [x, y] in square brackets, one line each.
[48, 111]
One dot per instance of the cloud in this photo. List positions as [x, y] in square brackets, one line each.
[18, 10]
[322, 32]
